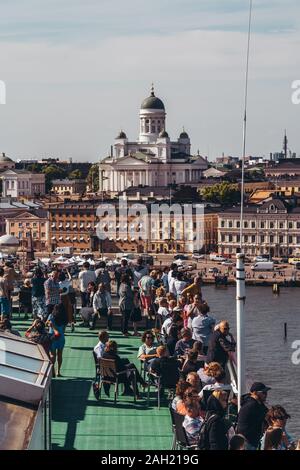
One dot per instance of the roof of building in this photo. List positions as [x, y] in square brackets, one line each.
[152, 102]
[5, 158]
[184, 135]
[121, 135]
[163, 134]
[68, 181]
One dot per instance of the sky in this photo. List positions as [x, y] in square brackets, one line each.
[77, 71]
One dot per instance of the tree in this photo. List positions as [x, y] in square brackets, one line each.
[224, 193]
[34, 168]
[93, 178]
[53, 172]
[75, 175]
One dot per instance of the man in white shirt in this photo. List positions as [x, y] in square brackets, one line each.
[85, 277]
[100, 346]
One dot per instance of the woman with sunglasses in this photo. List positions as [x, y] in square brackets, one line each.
[147, 350]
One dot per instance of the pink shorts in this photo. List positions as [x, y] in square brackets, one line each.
[146, 301]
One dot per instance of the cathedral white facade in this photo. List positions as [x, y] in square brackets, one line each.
[153, 160]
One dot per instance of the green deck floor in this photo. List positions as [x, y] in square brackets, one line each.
[80, 422]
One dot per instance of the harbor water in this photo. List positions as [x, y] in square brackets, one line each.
[268, 355]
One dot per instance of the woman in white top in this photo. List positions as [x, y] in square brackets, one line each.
[218, 385]
[179, 284]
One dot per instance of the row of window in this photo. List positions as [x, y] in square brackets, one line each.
[260, 239]
[21, 224]
[10, 184]
[261, 224]
[22, 234]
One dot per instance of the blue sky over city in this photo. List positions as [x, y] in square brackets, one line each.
[76, 72]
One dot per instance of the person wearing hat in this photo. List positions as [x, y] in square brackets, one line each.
[252, 415]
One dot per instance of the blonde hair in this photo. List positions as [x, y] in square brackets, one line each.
[160, 292]
[213, 369]
[219, 394]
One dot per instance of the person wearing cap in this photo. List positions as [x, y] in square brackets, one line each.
[252, 415]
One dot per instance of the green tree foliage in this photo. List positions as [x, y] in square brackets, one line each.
[53, 172]
[34, 168]
[224, 193]
[75, 175]
[93, 178]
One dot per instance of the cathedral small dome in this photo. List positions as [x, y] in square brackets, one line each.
[163, 134]
[121, 135]
[184, 135]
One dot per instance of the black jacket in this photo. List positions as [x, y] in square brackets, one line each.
[250, 420]
[168, 370]
[219, 347]
[120, 366]
[217, 427]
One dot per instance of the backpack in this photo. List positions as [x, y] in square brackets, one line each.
[203, 443]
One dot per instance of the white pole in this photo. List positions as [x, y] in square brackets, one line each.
[240, 313]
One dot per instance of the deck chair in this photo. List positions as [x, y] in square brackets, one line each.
[109, 375]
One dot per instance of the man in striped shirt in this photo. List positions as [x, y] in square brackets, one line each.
[52, 293]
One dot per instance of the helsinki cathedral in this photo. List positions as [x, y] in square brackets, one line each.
[153, 160]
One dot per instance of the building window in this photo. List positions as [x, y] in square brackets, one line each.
[262, 239]
[253, 239]
[262, 225]
[43, 234]
[290, 239]
[230, 238]
[271, 239]
[271, 224]
[298, 240]
[245, 224]
[246, 238]
[281, 239]
[290, 224]
[238, 224]
[230, 224]
[222, 224]
[12, 224]
[281, 225]
[252, 224]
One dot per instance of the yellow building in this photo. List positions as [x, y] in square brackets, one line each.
[25, 224]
